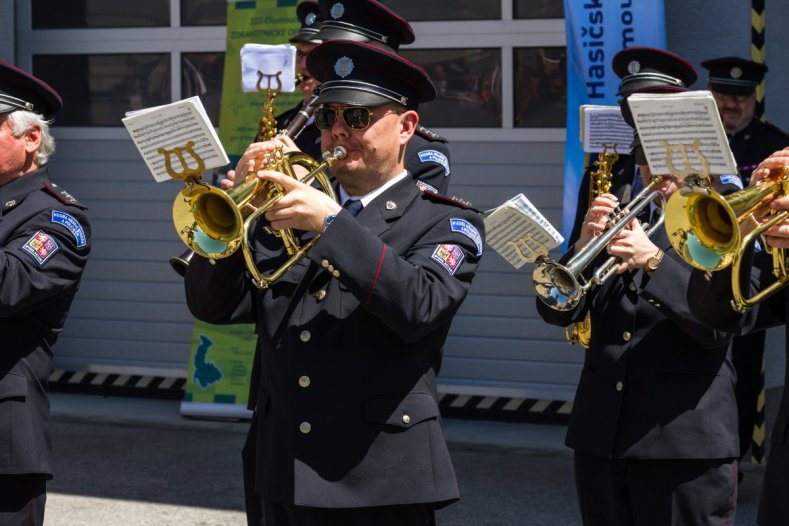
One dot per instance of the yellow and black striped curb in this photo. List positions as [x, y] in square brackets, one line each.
[117, 384]
[510, 409]
[478, 407]
[757, 49]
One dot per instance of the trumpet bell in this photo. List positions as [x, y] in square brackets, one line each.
[207, 221]
[702, 228]
[556, 286]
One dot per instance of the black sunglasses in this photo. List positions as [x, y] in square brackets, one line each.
[356, 117]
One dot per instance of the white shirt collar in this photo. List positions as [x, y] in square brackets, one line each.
[368, 197]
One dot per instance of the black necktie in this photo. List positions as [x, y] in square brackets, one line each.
[354, 206]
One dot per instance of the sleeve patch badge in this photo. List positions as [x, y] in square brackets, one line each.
[448, 256]
[467, 229]
[68, 221]
[41, 247]
[433, 156]
[426, 187]
[732, 179]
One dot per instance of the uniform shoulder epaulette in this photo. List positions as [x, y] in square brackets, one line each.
[62, 195]
[429, 134]
[454, 200]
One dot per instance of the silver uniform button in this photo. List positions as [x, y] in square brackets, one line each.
[632, 286]
[335, 273]
[406, 419]
[325, 263]
[304, 381]
[320, 294]
[305, 427]
[305, 336]
[330, 268]
[619, 386]
[626, 336]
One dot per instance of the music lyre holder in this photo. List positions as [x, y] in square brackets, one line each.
[267, 128]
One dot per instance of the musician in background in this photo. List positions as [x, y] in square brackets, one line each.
[733, 83]
[371, 22]
[45, 239]
[654, 421]
[710, 296]
[309, 139]
[346, 426]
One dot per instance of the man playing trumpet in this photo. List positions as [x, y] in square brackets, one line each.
[654, 421]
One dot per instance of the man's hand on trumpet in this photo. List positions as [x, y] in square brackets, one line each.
[252, 154]
[302, 207]
[632, 246]
[775, 167]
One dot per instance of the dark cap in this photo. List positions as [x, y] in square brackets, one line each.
[359, 74]
[734, 75]
[19, 90]
[309, 15]
[363, 21]
[649, 69]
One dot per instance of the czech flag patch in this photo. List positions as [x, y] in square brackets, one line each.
[448, 256]
[41, 247]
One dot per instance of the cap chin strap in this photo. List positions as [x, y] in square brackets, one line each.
[649, 75]
[358, 85]
[15, 102]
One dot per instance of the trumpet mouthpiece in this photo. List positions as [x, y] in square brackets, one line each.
[338, 153]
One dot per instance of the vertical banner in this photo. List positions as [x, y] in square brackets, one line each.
[255, 22]
[596, 30]
[220, 361]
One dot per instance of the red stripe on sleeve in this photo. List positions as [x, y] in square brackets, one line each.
[377, 273]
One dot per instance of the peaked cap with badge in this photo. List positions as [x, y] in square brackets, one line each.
[650, 70]
[368, 21]
[734, 75]
[359, 74]
[364, 21]
[19, 90]
[310, 17]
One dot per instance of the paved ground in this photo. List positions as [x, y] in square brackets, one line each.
[137, 462]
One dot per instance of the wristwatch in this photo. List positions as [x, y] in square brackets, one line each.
[653, 262]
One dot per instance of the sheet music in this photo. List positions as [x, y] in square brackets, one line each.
[604, 125]
[519, 232]
[685, 118]
[171, 126]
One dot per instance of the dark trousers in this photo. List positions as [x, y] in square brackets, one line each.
[22, 500]
[641, 492]
[276, 514]
[747, 353]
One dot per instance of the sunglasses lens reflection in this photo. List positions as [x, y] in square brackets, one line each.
[356, 117]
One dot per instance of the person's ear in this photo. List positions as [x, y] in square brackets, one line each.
[408, 122]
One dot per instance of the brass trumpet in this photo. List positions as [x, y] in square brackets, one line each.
[561, 287]
[711, 231]
[215, 223]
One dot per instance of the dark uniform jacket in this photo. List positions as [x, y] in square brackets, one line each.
[655, 384]
[349, 346]
[709, 298]
[45, 240]
[754, 144]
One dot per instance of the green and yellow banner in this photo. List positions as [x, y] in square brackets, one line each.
[220, 361]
